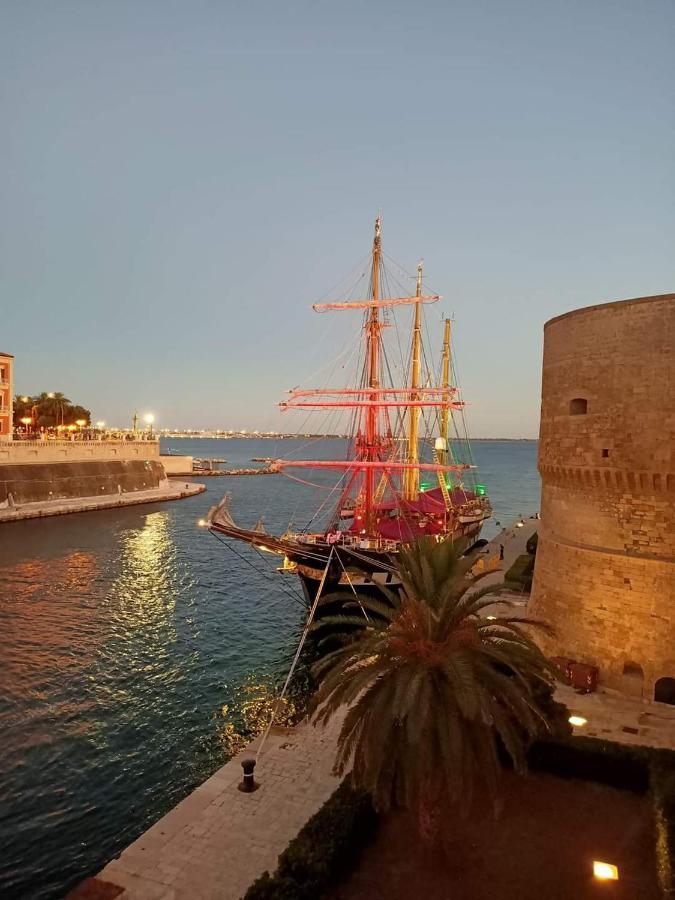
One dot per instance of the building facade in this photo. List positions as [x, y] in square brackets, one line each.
[6, 395]
[605, 568]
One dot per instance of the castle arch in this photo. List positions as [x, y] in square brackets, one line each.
[664, 690]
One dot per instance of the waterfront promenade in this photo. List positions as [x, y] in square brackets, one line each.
[172, 490]
[217, 841]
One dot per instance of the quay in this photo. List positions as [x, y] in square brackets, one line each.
[218, 841]
[169, 491]
[57, 477]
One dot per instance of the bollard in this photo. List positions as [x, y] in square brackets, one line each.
[248, 783]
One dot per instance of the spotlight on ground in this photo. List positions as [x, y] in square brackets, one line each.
[605, 871]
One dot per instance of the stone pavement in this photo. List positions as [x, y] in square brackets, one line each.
[171, 490]
[617, 717]
[215, 843]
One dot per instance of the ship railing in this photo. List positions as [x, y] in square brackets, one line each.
[346, 540]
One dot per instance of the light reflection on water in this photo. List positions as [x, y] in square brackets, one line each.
[123, 634]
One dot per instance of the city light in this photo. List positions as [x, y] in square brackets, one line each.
[202, 523]
[26, 420]
[577, 721]
[81, 422]
[148, 418]
[605, 871]
[100, 425]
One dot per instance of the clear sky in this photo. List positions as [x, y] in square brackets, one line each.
[181, 180]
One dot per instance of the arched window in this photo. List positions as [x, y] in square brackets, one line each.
[633, 679]
[578, 406]
[664, 691]
[633, 670]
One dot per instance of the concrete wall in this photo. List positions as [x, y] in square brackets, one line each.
[177, 465]
[35, 482]
[72, 451]
[605, 570]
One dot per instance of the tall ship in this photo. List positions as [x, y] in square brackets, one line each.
[408, 470]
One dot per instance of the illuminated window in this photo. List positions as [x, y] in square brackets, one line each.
[578, 406]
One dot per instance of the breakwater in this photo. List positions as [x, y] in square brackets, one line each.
[36, 482]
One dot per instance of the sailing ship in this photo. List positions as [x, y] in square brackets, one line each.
[409, 472]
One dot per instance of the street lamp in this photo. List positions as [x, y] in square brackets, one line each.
[149, 418]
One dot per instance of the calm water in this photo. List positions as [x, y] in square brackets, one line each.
[123, 633]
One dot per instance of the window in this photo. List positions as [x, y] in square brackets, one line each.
[605, 453]
[578, 406]
[664, 690]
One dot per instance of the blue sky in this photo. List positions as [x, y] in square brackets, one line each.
[182, 180]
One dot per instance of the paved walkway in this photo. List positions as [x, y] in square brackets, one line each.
[214, 844]
[172, 490]
[613, 716]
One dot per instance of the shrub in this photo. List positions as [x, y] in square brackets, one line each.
[325, 849]
[591, 759]
[531, 544]
[519, 576]
[663, 797]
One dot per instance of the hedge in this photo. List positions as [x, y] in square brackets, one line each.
[519, 576]
[639, 769]
[326, 847]
[330, 843]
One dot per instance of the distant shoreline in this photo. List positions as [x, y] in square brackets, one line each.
[214, 435]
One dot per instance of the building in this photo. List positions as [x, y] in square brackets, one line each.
[6, 396]
[605, 569]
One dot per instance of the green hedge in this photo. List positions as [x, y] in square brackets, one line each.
[327, 847]
[638, 769]
[519, 576]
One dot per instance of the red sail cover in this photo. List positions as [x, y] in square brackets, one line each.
[406, 520]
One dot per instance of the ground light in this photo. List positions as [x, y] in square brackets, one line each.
[577, 721]
[605, 871]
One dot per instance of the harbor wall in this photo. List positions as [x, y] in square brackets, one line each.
[605, 569]
[14, 452]
[49, 481]
[177, 465]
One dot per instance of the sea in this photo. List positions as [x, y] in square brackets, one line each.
[127, 637]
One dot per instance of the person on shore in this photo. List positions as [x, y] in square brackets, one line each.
[501, 551]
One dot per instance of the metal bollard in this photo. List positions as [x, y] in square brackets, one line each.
[248, 783]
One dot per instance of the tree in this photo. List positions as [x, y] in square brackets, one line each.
[47, 410]
[433, 693]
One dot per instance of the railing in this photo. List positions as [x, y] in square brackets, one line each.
[59, 442]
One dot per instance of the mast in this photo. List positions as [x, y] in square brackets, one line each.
[445, 383]
[412, 476]
[373, 346]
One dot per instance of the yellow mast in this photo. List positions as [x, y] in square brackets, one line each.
[412, 476]
[445, 383]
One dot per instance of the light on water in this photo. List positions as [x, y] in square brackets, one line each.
[129, 641]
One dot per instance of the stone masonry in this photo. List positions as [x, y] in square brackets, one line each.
[605, 570]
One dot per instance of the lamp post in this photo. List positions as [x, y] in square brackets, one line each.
[149, 419]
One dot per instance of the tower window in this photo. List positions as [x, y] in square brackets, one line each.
[605, 453]
[578, 406]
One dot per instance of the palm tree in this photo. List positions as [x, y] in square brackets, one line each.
[432, 692]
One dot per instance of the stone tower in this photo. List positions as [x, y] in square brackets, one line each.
[605, 568]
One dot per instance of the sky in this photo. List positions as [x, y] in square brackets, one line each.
[182, 180]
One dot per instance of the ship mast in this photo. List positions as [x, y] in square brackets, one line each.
[373, 329]
[412, 475]
[445, 383]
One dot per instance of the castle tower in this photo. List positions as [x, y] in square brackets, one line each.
[605, 569]
[6, 396]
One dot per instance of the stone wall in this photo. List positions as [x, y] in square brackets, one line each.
[70, 451]
[35, 482]
[605, 571]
